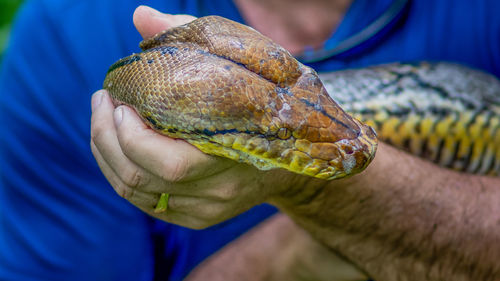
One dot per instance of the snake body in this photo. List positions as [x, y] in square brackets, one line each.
[446, 113]
[232, 92]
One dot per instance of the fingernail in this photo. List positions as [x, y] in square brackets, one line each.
[96, 99]
[118, 116]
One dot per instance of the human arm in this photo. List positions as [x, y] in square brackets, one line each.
[401, 226]
[277, 249]
[201, 196]
[414, 221]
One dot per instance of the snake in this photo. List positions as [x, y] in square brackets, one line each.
[232, 92]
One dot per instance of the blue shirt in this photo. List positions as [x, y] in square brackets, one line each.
[59, 218]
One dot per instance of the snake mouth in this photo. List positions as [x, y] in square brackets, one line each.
[324, 160]
[337, 160]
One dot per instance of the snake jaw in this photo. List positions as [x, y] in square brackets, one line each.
[267, 110]
[321, 160]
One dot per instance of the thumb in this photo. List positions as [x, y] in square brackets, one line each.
[149, 21]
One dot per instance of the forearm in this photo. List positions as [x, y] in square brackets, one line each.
[277, 249]
[249, 257]
[406, 219]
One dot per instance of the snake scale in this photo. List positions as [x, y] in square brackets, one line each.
[232, 92]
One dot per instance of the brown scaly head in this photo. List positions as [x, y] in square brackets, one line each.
[232, 92]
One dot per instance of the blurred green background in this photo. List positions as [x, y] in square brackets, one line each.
[8, 10]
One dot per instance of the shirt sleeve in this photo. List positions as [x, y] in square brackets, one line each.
[59, 218]
[492, 28]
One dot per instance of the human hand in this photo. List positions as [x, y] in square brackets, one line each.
[141, 164]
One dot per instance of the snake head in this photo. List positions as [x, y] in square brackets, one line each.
[232, 92]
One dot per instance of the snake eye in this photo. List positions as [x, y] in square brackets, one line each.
[284, 133]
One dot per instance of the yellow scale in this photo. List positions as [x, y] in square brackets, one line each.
[428, 110]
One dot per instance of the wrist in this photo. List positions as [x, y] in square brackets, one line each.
[304, 197]
[314, 198]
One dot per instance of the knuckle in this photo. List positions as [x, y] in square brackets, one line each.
[201, 224]
[127, 141]
[177, 171]
[217, 212]
[125, 192]
[134, 178]
[212, 212]
[227, 193]
[97, 132]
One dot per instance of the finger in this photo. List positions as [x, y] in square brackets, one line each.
[110, 175]
[209, 211]
[147, 202]
[241, 184]
[170, 159]
[135, 196]
[184, 220]
[189, 211]
[180, 218]
[198, 207]
[149, 21]
[104, 140]
[133, 182]
[186, 211]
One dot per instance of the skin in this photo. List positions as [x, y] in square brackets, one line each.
[416, 222]
[277, 249]
[292, 30]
